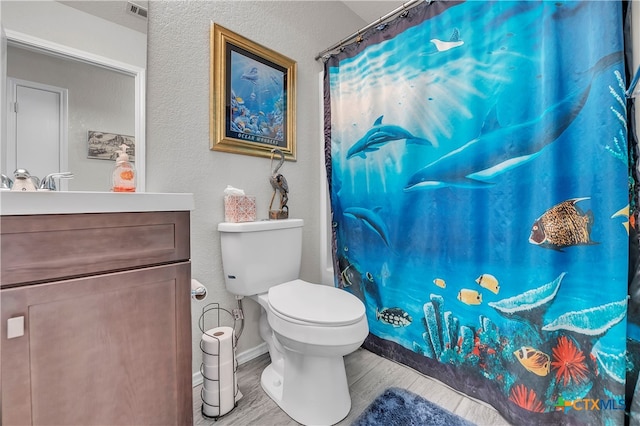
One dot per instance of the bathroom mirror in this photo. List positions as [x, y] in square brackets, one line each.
[97, 64]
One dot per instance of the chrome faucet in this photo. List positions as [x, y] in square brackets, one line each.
[49, 183]
[24, 181]
[5, 182]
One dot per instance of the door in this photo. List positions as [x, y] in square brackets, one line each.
[37, 128]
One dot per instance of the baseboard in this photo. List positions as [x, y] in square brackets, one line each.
[242, 357]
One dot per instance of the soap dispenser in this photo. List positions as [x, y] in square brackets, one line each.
[123, 178]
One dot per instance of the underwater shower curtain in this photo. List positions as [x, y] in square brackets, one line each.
[477, 158]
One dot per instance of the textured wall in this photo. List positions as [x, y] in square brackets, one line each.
[178, 154]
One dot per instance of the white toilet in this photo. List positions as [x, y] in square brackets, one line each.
[307, 327]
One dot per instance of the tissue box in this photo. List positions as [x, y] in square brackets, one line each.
[239, 208]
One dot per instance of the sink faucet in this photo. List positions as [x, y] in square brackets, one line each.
[24, 181]
[49, 182]
[5, 182]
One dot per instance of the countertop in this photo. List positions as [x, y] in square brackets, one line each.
[68, 202]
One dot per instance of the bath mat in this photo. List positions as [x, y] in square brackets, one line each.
[400, 407]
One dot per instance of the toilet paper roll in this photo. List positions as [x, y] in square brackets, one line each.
[211, 361]
[198, 290]
[212, 385]
[218, 341]
[227, 376]
[218, 403]
[223, 373]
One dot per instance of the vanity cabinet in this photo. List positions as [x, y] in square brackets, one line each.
[96, 322]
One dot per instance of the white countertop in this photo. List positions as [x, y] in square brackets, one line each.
[67, 202]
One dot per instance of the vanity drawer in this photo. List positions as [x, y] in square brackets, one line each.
[45, 247]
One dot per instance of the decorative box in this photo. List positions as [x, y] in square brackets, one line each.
[239, 208]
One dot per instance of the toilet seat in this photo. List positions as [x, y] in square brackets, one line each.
[318, 305]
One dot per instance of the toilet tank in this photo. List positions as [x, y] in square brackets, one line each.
[258, 255]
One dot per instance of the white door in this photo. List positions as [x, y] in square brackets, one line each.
[37, 129]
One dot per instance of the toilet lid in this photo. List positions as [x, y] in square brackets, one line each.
[315, 303]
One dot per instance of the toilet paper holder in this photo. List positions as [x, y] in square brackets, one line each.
[198, 290]
[214, 393]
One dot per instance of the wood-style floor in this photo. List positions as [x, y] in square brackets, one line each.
[368, 376]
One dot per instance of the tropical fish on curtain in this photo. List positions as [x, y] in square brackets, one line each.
[477, 158]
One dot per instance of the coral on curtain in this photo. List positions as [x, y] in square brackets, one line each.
[477, 155]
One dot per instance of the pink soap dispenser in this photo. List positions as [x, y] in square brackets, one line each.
[123, 178]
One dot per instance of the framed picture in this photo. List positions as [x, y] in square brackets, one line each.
[103, 145]
[253, 97]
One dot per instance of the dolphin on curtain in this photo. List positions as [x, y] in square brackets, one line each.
[371, 219]
[499, 149]
[379, 135]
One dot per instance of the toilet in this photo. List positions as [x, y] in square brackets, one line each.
[308, 327]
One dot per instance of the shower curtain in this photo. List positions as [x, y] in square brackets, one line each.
[478, 163]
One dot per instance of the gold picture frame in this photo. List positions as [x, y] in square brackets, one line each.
[253, 97]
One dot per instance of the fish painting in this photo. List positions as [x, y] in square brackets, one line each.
[379, 135]
[534, 360]
[498, 149]
[489, 282]
[371, 219]
[440, 283]
[454, 41]
[394, 316]
[350, 275]
[563, 225]
[469, 297]
[624, 212]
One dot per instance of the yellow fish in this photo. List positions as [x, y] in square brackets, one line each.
[625, 213]
[440, 282]
[470, 297]
[489, 282]
[533, 360]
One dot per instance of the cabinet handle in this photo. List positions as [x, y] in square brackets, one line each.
[15, 327]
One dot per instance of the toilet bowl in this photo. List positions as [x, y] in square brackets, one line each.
[308, 328]
[310, 382]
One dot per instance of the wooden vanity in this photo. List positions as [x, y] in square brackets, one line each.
[95, 311]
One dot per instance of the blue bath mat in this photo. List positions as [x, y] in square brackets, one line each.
[400, 407]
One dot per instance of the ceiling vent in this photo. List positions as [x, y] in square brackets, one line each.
[134, 9]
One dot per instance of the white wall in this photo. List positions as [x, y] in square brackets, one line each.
[178, 154]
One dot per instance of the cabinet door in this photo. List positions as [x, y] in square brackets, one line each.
[109, 349]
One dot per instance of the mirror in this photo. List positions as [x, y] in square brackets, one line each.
[98, 63]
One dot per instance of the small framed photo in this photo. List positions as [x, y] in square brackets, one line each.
[253, 97]
[103, 145]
